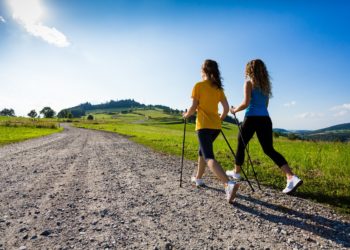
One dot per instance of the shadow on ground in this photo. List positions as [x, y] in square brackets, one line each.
[334, 230]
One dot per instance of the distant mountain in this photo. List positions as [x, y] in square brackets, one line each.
[344, 126]
[281, 130]
[111, 106]
[340, 132]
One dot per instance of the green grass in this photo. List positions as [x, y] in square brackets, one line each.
[13, 129]
[324, 166]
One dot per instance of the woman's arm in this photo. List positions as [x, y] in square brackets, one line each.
[192, 109]
[226, 108]
[246, 100]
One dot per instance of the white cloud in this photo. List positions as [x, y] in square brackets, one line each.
[29, 13]
[2, 19]
[341, 110]
[341, 113]
[290, 104]
[345, 106]
[307, 115]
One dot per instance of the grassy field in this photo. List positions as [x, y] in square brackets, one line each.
[13, 129]
[323, 166]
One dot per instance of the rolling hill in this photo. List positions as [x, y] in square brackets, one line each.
[340, 132]
[108, 107]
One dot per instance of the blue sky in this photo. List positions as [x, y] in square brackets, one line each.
[61, 53]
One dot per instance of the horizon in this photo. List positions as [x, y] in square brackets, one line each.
[291, 130]
[63, 53]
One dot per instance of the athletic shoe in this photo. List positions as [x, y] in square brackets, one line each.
[292, 184]
[231, 189]
[197, 182]
[232, 174]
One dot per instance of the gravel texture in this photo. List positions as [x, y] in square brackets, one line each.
[84, 189]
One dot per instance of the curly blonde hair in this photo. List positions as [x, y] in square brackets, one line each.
[257, 72]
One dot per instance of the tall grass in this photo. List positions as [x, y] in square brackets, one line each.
[28, 123]
[15, 129]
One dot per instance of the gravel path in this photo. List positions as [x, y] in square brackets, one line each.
[84, 189]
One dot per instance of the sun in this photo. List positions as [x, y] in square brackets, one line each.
[28, 11]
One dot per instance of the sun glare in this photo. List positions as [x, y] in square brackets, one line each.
[28, 11]
[30, 14]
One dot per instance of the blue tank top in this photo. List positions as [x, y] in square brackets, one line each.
[257, 105]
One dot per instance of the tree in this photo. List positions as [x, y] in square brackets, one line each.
[292, 136]
[7, 112]
[192, 119]
[64, 114]
[48, 112]
[90, 117]
[275, 134]
[77, 112]
[33, 114]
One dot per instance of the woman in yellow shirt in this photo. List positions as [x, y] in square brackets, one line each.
[206, 95]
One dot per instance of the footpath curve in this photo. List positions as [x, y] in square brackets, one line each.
[87, 189]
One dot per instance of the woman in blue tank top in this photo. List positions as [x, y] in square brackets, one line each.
[257, 91]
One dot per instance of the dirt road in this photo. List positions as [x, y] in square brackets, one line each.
[83, 189]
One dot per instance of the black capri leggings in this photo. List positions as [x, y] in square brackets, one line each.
[262, 125]
[206, 137]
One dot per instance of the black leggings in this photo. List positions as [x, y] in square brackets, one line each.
[262, 125]
[206, 138]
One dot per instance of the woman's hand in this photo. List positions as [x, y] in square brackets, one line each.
[232, 110]
[185, 114]
[192, 109]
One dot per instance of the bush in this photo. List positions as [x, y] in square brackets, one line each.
[293, 136]
[276, 134]
[90, 117]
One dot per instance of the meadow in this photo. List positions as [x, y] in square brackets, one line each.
[15, 129]
[324, 166]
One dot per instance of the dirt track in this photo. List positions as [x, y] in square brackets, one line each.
[86, 189]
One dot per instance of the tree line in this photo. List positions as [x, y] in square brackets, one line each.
[47, 112]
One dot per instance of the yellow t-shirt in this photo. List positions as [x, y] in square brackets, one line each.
[208, 97]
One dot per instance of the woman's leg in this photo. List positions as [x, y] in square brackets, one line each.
[215, 167]
[246, 132]
[201, 167]
[206, 139]
[287, 171]
[264, 133]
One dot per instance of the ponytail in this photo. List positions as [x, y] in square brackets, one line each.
[211, 70]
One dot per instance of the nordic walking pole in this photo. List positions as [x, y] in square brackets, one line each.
[234, 155]
[183, 150]
[245, 146]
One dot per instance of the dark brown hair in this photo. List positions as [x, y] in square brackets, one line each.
[211, 70]
[259, 75]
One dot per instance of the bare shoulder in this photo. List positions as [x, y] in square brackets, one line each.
[248, 84]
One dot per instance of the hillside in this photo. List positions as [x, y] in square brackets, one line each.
[340, 127]
[121, 106]
[108, 107]
[340, 132]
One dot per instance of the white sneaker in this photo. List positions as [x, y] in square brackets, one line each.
[292, 184]
[197, 182]
[231, 190]
[232, 174]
